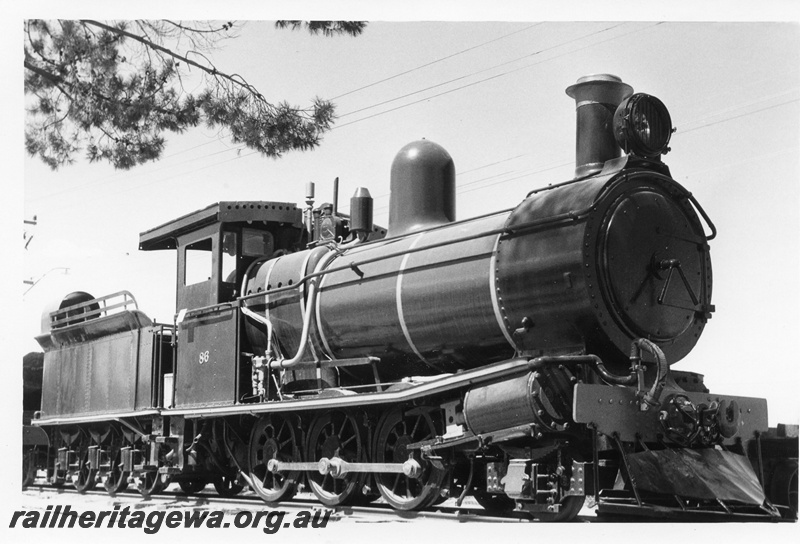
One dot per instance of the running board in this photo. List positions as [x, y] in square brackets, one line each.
[410, 393]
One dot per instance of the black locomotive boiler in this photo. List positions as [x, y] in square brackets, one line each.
[522, 357]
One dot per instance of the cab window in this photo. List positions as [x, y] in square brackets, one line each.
[229, 257]
[198, 262]
[257, 243]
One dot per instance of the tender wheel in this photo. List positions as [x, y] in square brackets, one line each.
[495, 504]
[193, 486]
[397, 430]
[54, 479]
[570, 506]
[336, 434]
[116, 479]
[28, 467]
[151, 483]
[273, 437]
[226, 486]
[85, 477]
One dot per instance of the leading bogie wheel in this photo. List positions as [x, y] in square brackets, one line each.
[274, 437]
[397, 430]
[783, 488]
[336, 434]
[568, 509]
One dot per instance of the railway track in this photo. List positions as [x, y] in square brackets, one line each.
[446, 514]
[377, 512]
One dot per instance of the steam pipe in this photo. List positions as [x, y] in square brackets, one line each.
[593, 360]
[264, 321]
[310, 303]
[617, 379]
[312, 300]
[651, 397]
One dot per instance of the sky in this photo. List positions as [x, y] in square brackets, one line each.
[492, 94]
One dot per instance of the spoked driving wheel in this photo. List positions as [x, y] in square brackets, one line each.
[85, 477]
[397, 430]
[336, 434]
[273, 437]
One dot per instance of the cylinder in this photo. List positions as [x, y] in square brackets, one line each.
[543, 398]
[422, 188]
[500, 405]
[596, 99]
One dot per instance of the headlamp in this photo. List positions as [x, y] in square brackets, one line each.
[642, 126]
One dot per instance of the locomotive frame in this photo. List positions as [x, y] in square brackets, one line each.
[515, 357]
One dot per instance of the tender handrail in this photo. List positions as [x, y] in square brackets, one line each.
[62, 317]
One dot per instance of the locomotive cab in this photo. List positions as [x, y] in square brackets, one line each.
[216, 245]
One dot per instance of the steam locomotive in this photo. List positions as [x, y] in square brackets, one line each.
[521, 357]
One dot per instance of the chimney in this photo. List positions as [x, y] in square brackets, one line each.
[596, 99]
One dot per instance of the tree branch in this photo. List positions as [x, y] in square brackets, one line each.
[199, 31]
[58, 81]
[211, 71]
[52, 78]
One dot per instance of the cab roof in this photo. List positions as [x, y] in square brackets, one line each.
[165, 236]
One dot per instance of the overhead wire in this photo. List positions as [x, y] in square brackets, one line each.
[384, 80]
[491, 78]
[477, 72]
